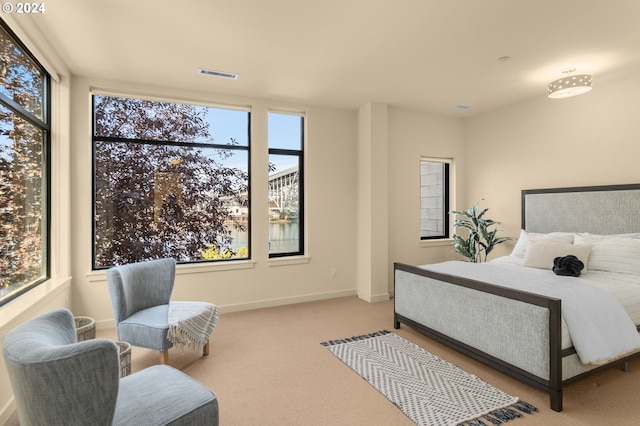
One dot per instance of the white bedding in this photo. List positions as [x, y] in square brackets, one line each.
[625, 288]
[597, 335]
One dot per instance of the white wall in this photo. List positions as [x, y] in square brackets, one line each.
[592, 139]
[413, 135]
[373, 201]
[330, 198]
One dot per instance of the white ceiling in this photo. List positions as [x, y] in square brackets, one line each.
[426, 55]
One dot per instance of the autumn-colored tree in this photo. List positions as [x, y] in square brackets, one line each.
[159, 192]
[22, 166]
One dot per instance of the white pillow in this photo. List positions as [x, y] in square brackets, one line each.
[630, 235]
[525, 238]
[635, 235]
[611, 253]
[541, 254]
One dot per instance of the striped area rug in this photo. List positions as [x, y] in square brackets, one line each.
[428, 389]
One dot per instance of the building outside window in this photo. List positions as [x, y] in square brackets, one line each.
[286, 184]
[434, 198]
[171, 179]
[24, 168]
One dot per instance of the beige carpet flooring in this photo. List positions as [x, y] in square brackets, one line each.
[267, 367]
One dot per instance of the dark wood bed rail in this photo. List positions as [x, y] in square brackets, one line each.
[553, 386]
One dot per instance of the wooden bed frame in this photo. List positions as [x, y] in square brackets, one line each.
[435, 303]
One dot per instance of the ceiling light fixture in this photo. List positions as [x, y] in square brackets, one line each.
[221, 74]
[571, 85]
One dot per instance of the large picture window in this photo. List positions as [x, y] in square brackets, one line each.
[170, 180]
[286, 188]
[434, 198]
[24, 167]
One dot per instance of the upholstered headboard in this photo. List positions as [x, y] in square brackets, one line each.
[610, 209]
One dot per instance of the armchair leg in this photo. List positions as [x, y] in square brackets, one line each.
[164, 357]
[205, 350]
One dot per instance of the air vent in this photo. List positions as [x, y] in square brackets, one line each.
[221, 74]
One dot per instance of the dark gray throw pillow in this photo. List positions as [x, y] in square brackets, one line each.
[568, 265]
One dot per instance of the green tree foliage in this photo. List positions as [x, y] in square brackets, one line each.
[157, 200]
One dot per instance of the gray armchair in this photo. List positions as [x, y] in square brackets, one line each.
[59, 381]
[140, 294]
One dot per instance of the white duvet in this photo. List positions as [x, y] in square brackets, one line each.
[599, 327]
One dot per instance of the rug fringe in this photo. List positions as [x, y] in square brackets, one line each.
[355, 338]
[502, 415]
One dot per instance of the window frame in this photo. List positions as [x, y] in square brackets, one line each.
[446, 208]
[196, 145]
[43, 125]
[299, 153]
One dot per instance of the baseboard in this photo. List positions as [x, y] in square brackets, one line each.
[269, 303]
[380, 297]
[7, 411]
[373, 298]
[105, 324]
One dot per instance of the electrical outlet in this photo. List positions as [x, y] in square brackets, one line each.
[334, 272]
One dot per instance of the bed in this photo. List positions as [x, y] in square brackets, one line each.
[516, 315]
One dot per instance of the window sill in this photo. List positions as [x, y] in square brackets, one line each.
[188, 268]
[436, 243]
[286, 261]
[199, 268]
[38, 295]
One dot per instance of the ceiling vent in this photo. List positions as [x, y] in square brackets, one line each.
[221, 74]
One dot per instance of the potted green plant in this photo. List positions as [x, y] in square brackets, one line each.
[480, 240]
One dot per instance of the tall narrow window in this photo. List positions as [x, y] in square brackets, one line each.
[434, 198]
[286, 188]
[24, 168]
[170, 180]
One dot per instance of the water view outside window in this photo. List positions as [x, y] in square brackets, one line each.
[434, 199]
[286, 217]
[170, 180]
[24, 183]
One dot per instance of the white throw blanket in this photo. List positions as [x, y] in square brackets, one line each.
[191, 324]
[600, 328]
